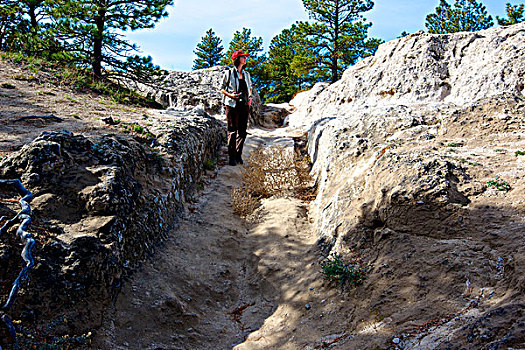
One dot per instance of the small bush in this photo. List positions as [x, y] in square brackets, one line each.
[243, 201]
[499, 183]
[275, 171]
[272, 171]
[335, 270]
[138, 128]
[519, 153]
[209, 164]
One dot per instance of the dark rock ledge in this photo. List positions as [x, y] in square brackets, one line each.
[101, 205]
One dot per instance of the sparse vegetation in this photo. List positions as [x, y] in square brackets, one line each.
[519, 153]
[138, 128]
[499, 184]
[343, 273]
[7, 85]
[273, 171]
[44, 339]
[454, 144]
[466, 161]
[210, 164]
[78, 78]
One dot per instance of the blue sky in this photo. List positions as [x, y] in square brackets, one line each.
[172, 41]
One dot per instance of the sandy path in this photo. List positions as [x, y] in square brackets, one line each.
[217, 284]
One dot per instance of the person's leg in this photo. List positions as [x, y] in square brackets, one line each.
[241, 132]
[232, 119]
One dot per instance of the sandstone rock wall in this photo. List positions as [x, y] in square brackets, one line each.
[100, 206]
[403, 147]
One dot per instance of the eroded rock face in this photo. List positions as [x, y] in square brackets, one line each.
[100, 206]
[403, 147]
[196, 89]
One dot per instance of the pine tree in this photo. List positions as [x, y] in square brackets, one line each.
[25, 28]
[466, 15]
[89, 29]
[288, 66]
[209, 51]
[515, 14]
[245, 42]
[255, 64]
[338, 34]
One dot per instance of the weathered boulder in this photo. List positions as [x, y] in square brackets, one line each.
[402, 150]
[101, 205]
[274, 115]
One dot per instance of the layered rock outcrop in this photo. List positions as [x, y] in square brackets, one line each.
[101, 205]
[404, 147]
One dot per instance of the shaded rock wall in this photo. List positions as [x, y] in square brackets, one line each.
[402, 149]
[100, 206]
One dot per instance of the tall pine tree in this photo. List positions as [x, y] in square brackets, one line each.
[338, 34]
[464, 16]
[209, 51]
[89, 29]
[515, 14]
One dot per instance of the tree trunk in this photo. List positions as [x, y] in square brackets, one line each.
[97, 43]
[32, 16]
[335, 53]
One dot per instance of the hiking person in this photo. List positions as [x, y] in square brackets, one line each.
[237, 99]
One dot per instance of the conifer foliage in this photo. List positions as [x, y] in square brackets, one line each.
[515, 15]
[25, 28]
[464, 15]
[288, 66]
[338, 34]
[209, 51]
[83, 33]
[89, 28]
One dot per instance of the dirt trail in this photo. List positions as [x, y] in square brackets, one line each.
[217, 284]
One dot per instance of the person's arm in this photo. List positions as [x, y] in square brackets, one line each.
[230, 95]
[250, 89]
[225, 80]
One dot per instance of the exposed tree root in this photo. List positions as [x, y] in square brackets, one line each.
[24, 218]
[45, 117]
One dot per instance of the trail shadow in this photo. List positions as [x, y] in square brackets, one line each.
[461, 287]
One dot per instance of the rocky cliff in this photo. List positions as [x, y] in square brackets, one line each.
[416, 154]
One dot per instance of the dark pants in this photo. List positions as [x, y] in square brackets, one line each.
[237, 123]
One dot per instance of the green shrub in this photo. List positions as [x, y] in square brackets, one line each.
[519, 153]
[209, 164]
[335, 270]
[499, 183]
[455, 144]
[138, 128]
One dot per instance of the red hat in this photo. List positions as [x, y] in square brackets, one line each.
[239, 53]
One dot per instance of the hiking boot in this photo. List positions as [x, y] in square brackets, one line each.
[239, 160]
[232, 162]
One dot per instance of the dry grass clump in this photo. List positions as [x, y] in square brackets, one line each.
[271, 171]
[243, 202]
